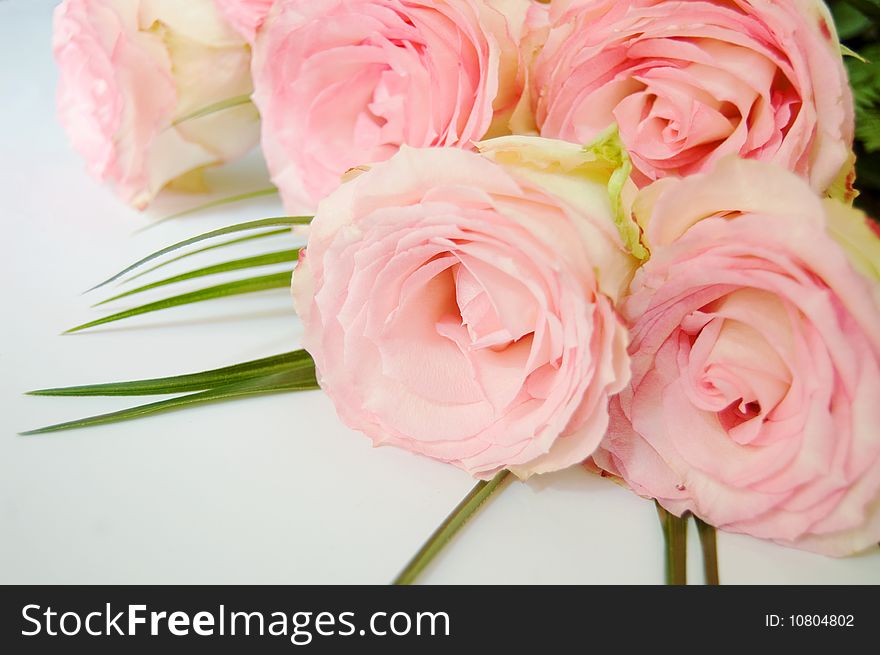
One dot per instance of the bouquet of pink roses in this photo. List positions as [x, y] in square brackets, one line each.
[536, 234]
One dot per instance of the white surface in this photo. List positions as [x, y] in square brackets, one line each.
[270, 490]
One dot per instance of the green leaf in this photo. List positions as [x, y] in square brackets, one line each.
[850, 22]
[868, 129]
[211, 205]
[222, 244]
[235, 265]
[865, 80]
[231, 229]
[675, 539]
[189, 382]
[450, 526]
[869, 171]
[709, 546]
[302, 379]
[222, 105]
[863, 77]
[238, 287]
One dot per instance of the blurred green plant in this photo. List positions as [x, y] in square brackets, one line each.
[858, 24]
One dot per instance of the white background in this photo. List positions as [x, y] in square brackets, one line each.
[266, 490]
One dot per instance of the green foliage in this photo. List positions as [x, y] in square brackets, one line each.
[294, 378]
[865, 79]
[236, 288]
[267, 259]
[858, 24]
[850, 21]
[293, 371]
[298, 359]
[288, 221]
[213, 246]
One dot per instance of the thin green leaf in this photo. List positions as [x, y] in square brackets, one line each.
[675, 539]
[709, 546]
[450, 526]
[231, 229]
[222, 244]
[222, 105]
[235, 265]
[296, 380]
[211, 205]
[190, 381]
[238, 287]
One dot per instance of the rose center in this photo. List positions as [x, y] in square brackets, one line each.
[493, 316]
[738, 412]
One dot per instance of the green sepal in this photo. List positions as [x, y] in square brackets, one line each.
[608, 147]
[846, 51]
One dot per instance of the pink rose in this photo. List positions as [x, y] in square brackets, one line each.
[690, 82]
[755, 360]
[246, 16]
[457, 308]
[129, 69]
[341, 83]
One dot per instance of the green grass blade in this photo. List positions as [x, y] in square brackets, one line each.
[190, 381]
[213, 246]
[235, 265]
[231, 229]
[298, 380]
[238, 287]
[228, 103]
[211, 205]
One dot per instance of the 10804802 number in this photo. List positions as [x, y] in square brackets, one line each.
[821, 620]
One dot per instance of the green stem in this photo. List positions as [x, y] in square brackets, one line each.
[675, 537]
[450, 526]
[709, 545]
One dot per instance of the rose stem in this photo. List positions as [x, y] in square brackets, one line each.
[450, 526]
[709, 545]
[675, 537]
